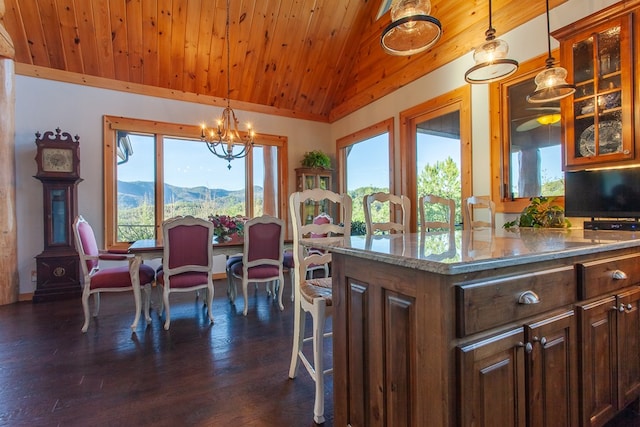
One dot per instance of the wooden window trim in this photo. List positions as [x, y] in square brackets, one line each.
[500, 140]
[160, 129]
[456, 100]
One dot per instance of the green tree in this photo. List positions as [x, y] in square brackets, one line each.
[441, 179]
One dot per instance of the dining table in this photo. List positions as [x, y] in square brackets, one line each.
[148, 249]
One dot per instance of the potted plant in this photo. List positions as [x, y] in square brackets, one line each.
[316, 159]
[540, 213]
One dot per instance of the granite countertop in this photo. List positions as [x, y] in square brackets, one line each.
[468, 251]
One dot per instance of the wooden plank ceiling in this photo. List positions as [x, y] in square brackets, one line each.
[312, 59]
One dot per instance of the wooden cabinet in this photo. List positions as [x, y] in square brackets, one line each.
[598, 122]
[610, 355]
[522, 345]
[308, 178]
[510, 379]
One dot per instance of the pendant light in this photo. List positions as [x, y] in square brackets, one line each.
[412, 29]
[550, 82]
[491, 59]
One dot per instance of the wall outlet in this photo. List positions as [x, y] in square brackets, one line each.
[34, 276]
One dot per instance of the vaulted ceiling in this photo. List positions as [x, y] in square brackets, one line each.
[312, 59]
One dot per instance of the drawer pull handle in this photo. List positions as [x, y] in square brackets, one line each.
[619, 275]
[528, 297]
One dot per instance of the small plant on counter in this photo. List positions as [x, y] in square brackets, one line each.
[316, 159]
[541, 213]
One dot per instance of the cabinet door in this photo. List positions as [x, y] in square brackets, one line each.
[491, 381]
[598, 118]
[628, 346]
[597, 386]
[551, 371]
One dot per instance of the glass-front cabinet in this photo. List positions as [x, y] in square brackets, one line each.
[308, 178]
[598, 118]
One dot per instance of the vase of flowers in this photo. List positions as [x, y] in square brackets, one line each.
[224, 226]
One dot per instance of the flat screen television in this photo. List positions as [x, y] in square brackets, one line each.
[607, 193]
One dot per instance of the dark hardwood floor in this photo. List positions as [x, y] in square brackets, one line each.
[232, 373]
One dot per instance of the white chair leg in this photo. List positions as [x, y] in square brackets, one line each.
[136, 299]
[85, 309]
[280, 291]
[293, 283]
[96, 304]
[245, 285]
[318, 361]
[210, 303]
[299, 318]
[167, 309]
[147, 302]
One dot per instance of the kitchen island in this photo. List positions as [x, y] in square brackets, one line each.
[486, 328]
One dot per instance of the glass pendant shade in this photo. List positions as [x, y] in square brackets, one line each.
[491, 62]
[412, 29]
[491, 59]
[551, 85]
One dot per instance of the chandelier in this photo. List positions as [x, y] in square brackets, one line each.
[222, 140]
[550, 82]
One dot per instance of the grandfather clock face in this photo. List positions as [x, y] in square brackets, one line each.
[58, 156]
[57, 160]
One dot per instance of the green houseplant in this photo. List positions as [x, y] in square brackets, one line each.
[316, 159]
[540, 213]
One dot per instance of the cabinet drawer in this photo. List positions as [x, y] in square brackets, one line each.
[607, 275]
[484, 305]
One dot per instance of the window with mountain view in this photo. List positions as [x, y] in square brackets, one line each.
[365, 160]
[162, 174]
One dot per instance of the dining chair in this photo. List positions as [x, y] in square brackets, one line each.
[262, 257]
[313, 295]
[111, 279]
[394, 201]
[187, 262]
[473, 203]
[443, 212]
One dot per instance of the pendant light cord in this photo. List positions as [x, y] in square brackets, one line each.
[491, 32]
[228, 56]
[550, 58]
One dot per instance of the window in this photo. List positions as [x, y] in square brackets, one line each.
[155, 171]
[526, 145]
[437, 147]
[365, 164]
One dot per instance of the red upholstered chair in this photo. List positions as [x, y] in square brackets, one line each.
[313, 296]
[262, 256]
[112, 279]
[187, 261]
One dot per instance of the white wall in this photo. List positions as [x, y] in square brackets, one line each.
[43, 105]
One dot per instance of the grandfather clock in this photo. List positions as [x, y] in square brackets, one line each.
[57, 267]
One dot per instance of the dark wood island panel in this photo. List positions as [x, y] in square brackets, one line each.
[502, 339]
